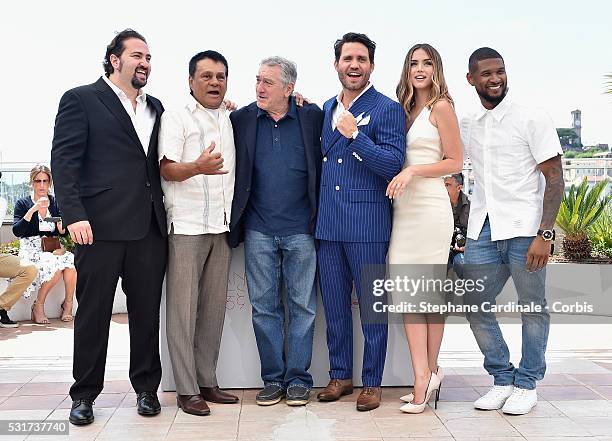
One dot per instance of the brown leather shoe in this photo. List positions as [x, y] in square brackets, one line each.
[216, 395]
[335, 389]
[369, 398]
[193, 404]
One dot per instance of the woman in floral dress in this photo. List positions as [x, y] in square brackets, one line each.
[30, 226]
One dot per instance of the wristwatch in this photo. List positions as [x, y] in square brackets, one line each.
[547, 235]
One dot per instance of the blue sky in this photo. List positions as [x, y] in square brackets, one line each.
[556, 52]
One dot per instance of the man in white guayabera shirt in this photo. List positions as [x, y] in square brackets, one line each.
[518, 187]
[197, 164]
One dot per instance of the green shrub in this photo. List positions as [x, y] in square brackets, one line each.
[10, 248]
[67, 243]
[600, 233]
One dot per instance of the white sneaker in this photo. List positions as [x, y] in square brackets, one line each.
[521, 401]
[494, 399]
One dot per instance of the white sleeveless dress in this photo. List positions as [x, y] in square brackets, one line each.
[422, 217]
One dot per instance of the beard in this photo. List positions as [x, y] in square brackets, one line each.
[138, 84]
[493, 100]
[344, 80]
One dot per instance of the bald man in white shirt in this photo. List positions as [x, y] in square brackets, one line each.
[518, 187]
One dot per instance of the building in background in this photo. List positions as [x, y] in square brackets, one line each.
[571, 138]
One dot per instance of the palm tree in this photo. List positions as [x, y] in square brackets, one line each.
[579, 209]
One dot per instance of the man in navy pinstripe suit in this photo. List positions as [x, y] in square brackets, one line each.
[363, 143]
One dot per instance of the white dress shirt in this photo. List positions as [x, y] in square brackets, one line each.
[143, 118]
[340, 107]
[506, 144]
[201, 204]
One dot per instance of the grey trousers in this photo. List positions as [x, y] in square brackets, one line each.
[196, 293]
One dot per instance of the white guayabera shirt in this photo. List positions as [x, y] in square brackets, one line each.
[506, 144]
[201, 204]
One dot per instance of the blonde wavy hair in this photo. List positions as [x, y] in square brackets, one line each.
[439, 89]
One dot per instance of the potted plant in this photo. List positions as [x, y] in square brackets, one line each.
[580, 208]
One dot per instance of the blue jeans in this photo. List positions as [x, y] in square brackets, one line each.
[494, 262]
[273, 262]
[456, 261]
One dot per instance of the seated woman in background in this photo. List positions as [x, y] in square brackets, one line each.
[30, 226]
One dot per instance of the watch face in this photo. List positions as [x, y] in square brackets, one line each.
[547, 235]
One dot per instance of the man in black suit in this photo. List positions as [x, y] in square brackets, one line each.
[104, 159]
[278, 164]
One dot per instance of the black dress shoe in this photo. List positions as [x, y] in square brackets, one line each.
[81, 412]
[148, 404]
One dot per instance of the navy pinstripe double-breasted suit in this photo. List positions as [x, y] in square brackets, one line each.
[354, 226]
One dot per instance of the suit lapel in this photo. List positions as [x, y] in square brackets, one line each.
[250, 138]
[307, 136]
[362, 105]
[330, 137]
[154, 133]
[110, 99]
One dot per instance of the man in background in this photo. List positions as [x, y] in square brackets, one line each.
[461, 212]
[20, 275]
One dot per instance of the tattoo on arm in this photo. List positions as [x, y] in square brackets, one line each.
[553, 193]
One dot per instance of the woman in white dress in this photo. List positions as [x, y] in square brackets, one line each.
[30, 226]
[422, 213]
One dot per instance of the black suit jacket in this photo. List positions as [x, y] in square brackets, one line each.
[244, 123]
[100, 170]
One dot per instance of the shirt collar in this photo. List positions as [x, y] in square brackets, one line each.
[291, 112]
[499, 111]
[193, 104]
[339, 97]
[141, 97]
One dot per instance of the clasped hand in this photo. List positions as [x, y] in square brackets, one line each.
[346, 124]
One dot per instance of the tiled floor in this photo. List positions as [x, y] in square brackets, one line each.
[574, 401]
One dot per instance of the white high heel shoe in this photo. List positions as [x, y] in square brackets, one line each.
[432, 385]
[408, 398]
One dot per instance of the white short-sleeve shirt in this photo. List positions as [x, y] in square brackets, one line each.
[201, 204]
[506, 144]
